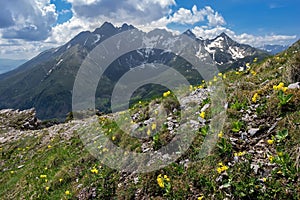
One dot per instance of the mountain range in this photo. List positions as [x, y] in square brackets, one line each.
[273, 49]
[46, 81]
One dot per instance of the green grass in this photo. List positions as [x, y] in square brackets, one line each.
[190, 177]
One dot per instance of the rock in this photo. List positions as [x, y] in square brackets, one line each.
[244, 136]
[294, 86]
[253, 131]
[255, 168]
[204, 108]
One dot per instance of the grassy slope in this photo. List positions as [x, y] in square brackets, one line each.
[24, 161]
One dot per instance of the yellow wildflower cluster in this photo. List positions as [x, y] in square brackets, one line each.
[153, 126]
[280, 86]
[270, 142]
[220, 135]
[95, 170]
[67, 192]
[221, 168]
[43, 176]
[166, 94]
[253, 72]
[239, 154]
[200, 198]
[148, 132]
[161, 180]
[202, 114]
[255, 97]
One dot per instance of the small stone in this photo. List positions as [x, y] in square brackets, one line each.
[205, 107]
[253, 131]
[255, 168]
[294, 86]
[244, 136]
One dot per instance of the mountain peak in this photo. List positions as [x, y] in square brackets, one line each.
[190, 33]
[224, 35]
[127, 27]
[106, 27]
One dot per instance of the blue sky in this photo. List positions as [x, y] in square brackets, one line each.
[28, 27]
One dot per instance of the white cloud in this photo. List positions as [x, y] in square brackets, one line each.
[28, 19]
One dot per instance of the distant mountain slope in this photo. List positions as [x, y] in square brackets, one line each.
[273, 49]
[46, 81]
[9, 64]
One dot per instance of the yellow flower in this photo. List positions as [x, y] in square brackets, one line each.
[209, 83]
[43, 176]
[12, 172]
[148, 132]
[153, 127]
[271, 158]
[253, 72]
[215, 79]
[220, 135]
[270, 142]
[224, 76]
[254, 98]
[264, 179]
[109, 130]
[67, 192]
[239, 154]
[165, 94]
[47, 188]
[191, 88]
[113, 138]
[202, 114]
[284, 89]
[247, 64]
[60, 180]
[200, 198]
[220, 74]
[280, 86]
[94, 170]
[140, 102]
[255, 60]
[49, 146]
[280, 154]
[237, 73]
[221, 168]
[160, 181]
[166, 178]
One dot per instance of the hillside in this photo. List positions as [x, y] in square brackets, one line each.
[256, 155]
[46, 81]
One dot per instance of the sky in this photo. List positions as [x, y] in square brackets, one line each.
[28, 27]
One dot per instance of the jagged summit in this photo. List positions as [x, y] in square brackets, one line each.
[190, 34]
[46, 82]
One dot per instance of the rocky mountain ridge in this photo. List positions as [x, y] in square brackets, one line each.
[46, 82]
